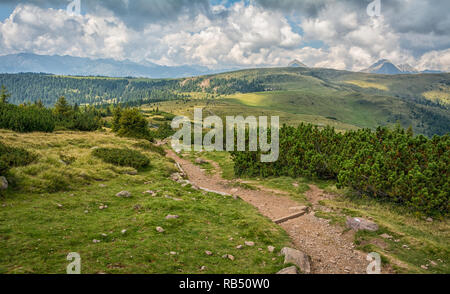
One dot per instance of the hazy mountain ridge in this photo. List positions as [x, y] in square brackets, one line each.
[69, 65]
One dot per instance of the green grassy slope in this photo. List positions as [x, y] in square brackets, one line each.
[359, 99]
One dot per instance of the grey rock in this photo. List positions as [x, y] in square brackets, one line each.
[3, 183]
[249, 243]
[124, 194]
[292, 270]
[200, 161]
[172, 216]
[298, 258]
[360, 224]
[271, 248]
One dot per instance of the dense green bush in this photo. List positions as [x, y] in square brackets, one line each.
[13, 157]
[384, 164]
[131, 123]
[26, 118]
[122, 157]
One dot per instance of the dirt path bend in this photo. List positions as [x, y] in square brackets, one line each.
[331, 250]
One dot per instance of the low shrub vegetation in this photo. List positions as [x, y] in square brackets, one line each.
[385, 164]
[122, 157]
[14, 157]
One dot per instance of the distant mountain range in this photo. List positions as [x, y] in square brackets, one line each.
[68, 65]
[385, 67]
[78, 66]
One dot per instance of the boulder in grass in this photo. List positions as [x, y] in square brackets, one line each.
[124, 194]
[292, 270]
[360, 224]
[3, 183]
[300, 259]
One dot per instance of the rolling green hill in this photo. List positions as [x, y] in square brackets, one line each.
[321, 96]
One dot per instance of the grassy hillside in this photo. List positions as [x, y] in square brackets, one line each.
[322, 96]
[56, 205]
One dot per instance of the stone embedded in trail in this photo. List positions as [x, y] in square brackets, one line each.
[172, 216]
[292, 270]
[159, 229]
[299, 208]
[3, 183]
[298, 258]
[249, 243]
[200, 161]
[124, 194]
[360, 224]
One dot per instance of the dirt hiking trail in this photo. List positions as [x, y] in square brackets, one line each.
[331, 250]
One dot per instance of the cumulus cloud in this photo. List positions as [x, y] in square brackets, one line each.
[235, 34]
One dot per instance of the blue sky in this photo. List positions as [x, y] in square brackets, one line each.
[222, 34]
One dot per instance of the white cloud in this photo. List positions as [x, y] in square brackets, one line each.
[238, 35]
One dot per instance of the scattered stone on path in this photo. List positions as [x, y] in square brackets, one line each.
[298, 258]
[386, 236]
[249, 243]
[360, 224]
[3, 183]
[239, 247]
[234, 190]
[298, 208]
[292, 270]
[209, 253]
[124, 194]
[172, 216]
[271, 249]
[159, 229]
[200, 161]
